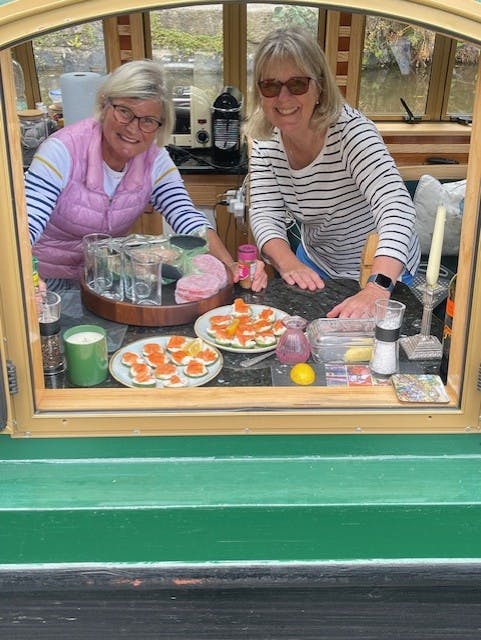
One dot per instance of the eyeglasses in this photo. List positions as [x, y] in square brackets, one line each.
[124, 115]
[297, 86]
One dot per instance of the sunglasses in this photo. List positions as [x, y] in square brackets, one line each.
[297, 86]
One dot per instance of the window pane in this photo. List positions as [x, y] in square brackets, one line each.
[262, 18]
[189, 43]
[79, 48]
[396, 64]
[463, 80]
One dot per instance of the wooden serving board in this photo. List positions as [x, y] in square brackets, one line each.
[165, 315]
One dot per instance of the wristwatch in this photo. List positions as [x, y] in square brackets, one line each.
[382, 281]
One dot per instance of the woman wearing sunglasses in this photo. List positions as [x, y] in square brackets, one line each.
[99, 174]
[317, 161]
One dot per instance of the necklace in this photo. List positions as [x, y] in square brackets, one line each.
[301, 156]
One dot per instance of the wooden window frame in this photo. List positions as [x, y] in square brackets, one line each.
[341, 34]
[41, 412]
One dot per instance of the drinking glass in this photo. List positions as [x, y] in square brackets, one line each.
[130, 243]
[91, 243]
[146, 276]
[109, 281]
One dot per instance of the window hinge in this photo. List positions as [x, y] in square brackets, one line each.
[12, 378]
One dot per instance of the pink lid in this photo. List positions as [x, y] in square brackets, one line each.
[247, 252]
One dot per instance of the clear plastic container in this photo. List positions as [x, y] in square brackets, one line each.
[341, 339]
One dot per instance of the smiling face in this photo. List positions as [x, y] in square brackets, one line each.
[121, 142]
[290, 113]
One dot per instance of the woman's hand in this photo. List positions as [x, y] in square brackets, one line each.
[360, 305]
[302, 276]
[259, 281]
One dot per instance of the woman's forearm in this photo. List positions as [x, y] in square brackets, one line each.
[280, 255]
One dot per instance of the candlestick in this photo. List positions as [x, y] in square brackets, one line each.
[434, 261]
[424, 346]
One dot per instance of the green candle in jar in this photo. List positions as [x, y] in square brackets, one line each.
[85, 348]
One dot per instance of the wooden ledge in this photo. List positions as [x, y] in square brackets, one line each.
[396, 128]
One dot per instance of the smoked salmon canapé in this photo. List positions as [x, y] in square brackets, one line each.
[156, 359]
[195, 369]
[165, 371]
[143, 380]
[151, 347]
[241, 308]
[180, 357]
[130, 357]
[140, 368]
[175, 381]
[176, 343]
[209, 356]
[220, 320]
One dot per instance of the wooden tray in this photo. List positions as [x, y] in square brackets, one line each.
[166, 315]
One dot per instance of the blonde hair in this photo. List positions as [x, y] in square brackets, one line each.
[142, 80]
[296, 46]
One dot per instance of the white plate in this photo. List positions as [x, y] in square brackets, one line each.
[203, 323]
[121, 373]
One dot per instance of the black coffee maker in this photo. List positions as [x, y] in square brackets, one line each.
[226, 127]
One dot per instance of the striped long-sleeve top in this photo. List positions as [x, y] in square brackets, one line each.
[49, 173]
[352, 188]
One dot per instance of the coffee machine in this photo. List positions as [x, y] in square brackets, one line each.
[226, 127]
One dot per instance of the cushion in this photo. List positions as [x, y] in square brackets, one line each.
[429, 194]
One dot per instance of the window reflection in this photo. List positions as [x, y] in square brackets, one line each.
[189, 43]
[463, 80]
[79, 48]
[396, 63]
[262, 18]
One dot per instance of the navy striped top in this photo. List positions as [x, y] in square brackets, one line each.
[352, 188]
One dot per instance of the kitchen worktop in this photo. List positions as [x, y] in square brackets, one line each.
[293, 301]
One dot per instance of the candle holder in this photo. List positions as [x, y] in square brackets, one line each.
[424, 346]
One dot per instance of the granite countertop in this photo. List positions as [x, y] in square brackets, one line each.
[293, 301]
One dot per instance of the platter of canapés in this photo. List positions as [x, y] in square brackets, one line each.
[241, 327]
[166, 362]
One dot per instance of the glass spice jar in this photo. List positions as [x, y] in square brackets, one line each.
[246, 260]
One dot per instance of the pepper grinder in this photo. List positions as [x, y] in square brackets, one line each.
[49, 320]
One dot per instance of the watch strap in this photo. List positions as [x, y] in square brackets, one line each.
[382, 281]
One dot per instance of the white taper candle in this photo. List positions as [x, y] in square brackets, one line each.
[434, 261]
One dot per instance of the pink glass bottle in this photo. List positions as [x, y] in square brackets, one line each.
[293, 347]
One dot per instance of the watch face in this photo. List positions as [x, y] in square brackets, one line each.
[383, 281]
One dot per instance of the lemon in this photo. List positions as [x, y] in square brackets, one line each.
[194, 347]
[232, 327]
[302, 373]
[358, 354]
